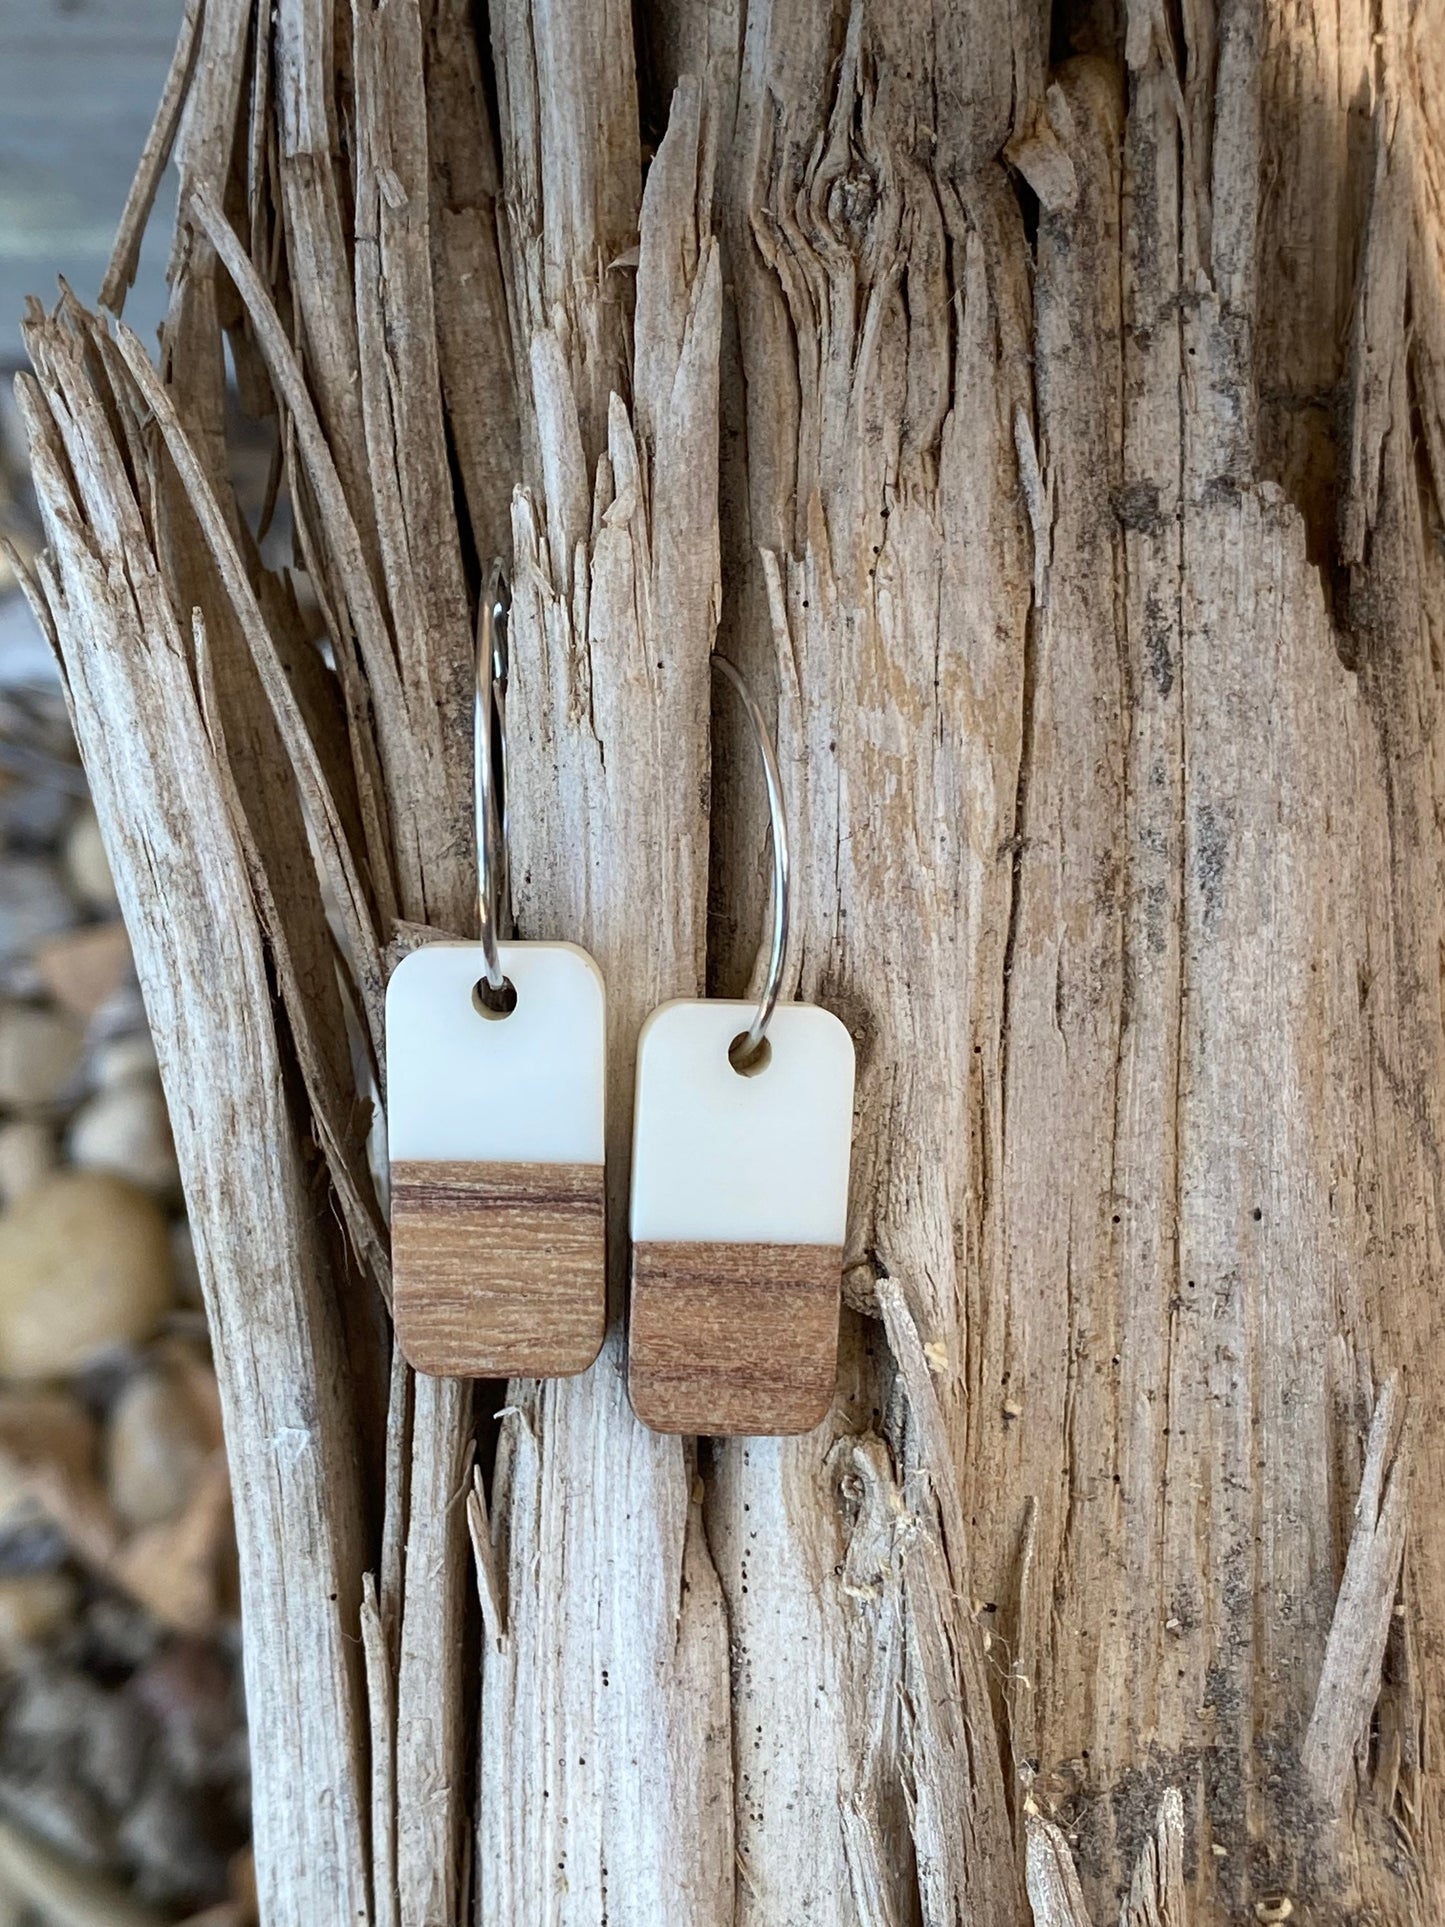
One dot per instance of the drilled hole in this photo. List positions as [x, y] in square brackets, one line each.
[745, 1063]
[500, 1002]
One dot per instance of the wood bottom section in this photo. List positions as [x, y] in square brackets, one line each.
[733, 1338]
[499, 1270]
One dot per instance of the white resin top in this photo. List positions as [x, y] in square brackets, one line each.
[527, 1088]
[719, 1157]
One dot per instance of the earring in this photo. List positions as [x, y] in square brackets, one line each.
[496, 1059]
[741, 1146]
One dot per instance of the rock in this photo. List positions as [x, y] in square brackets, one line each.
[33, 712]
[85, 1264]
[32, 1606]
[125, 1060]
[51, 1811]
[33, 813]
[227, 1913]
[190, 1693]
[27, 1156]
[87, 864]
[191, 1367]
[30, 1545]
[40, 1053]
[170, 1841]
[47, 1472]
[126, 1130]
[154, 1450]
[93, 1734]
[85, 968]
[123, 1014]
[177, 1570]
[118, 1635]
[20, 1510]
[187, 1270]
[243, 1878]
[115, 1744]
[34, 905]
[42, 1427]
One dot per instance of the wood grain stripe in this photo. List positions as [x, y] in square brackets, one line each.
[499, 1269]
[733, 1338]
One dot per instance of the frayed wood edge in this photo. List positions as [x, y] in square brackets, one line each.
[1052, 1879]
[1355, 1650]
[381, 1710]
[333, 852]
[961, 1825]
[120, 273]
[489, 1591]
[359, 1210]
[1157, 1894]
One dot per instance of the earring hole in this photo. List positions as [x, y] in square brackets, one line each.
[491, 1003]
[746, 1061]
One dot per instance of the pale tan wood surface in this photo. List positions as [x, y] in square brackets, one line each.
[733, 1338]
[1057, 396]
[265, 1266]
[498, 1270]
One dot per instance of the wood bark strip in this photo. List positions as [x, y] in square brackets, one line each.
[125, 255]
[1055, 1896]
[381, 1710]
[322, 281]
[183, 888]
[1045, 410]
[1158, 1895]
[615, 598]
[1350, 1675]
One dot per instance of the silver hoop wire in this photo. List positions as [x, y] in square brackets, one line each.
[489, 762]
[777, 951]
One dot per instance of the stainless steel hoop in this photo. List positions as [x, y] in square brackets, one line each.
[777, 948]
[489, 754]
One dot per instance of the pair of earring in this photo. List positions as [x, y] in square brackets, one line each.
[742, 1133]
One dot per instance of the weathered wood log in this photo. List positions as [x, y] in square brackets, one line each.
[1048, 411]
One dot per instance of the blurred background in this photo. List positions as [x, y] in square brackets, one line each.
[123, 1785]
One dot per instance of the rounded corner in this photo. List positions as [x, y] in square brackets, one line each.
[827, 1398]
[835, 1024]
[418, 1358]
[657, 1019]
[404, 968]
[638, 1401]
[795, 1428]
[585, 1361]
[585, 956]
[420, 960]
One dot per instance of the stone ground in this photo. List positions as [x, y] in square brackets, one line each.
[123, 1774]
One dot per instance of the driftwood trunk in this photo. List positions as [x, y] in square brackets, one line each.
[1048, 412]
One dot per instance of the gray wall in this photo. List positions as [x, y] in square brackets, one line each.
[79, 80]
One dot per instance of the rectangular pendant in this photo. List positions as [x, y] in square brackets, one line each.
[495, 1130]
[739, 1204]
